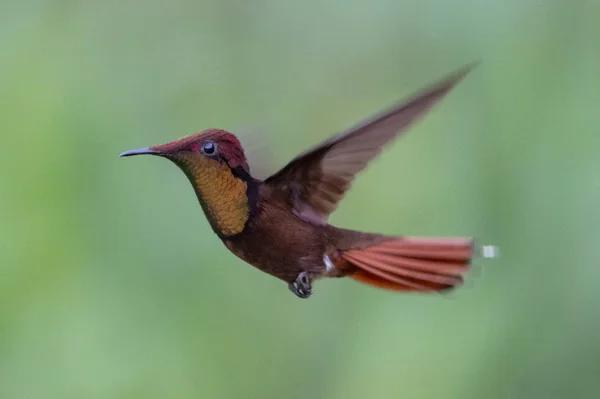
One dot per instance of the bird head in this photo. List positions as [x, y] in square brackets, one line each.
[214, 162]
[213, 145]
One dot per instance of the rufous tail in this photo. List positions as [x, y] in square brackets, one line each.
[413, 263]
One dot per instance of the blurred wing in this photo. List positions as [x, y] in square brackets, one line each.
[314, 182]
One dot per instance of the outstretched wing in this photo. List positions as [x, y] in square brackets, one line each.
[314, 182]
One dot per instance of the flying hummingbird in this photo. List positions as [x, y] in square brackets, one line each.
[279, 225]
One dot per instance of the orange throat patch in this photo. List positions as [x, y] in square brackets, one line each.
[222, 195]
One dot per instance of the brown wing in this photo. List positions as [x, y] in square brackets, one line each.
[316, 181]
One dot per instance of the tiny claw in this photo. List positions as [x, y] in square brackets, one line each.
[302, 286]
[304, 281]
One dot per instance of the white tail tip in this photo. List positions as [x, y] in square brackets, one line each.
[490, 251]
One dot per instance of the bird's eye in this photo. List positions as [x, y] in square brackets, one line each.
[209, 148]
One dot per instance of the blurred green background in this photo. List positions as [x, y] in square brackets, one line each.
[112, 284]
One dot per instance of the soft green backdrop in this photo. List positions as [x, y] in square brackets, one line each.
[112, 284]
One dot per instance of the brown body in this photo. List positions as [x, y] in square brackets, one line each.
[280, 226]
[285, 246]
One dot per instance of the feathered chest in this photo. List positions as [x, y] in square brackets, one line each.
[223, 195]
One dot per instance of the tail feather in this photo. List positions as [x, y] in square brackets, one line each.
[450, 249]
[371, 279]
[397, 270]
[413, 264]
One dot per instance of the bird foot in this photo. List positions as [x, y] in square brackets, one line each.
[302, 286]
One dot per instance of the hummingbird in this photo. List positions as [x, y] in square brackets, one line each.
[280, 224]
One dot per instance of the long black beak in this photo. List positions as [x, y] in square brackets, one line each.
[139, 151]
